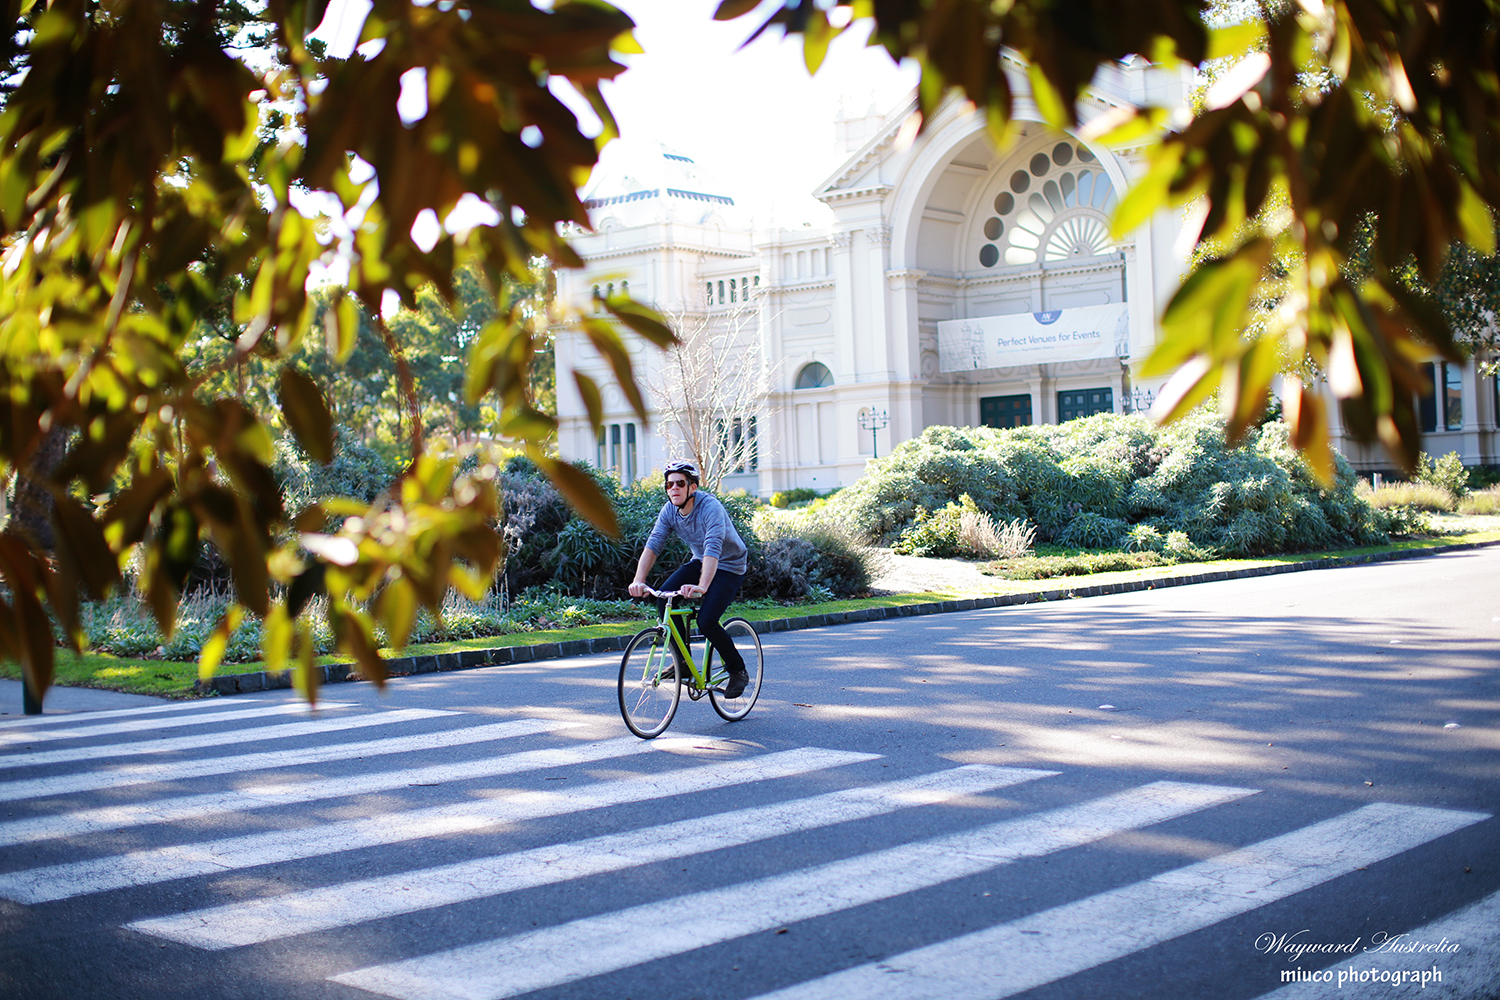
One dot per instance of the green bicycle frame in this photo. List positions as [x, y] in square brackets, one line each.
[676, 622]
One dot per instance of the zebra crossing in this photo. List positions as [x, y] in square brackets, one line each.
[95, 819]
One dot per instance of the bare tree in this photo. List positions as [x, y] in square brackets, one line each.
[711, 388]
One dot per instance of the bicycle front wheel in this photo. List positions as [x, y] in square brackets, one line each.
[748, 644]
[649, 687]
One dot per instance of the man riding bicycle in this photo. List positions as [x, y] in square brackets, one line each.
[716, 570]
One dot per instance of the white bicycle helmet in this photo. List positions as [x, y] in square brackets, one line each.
[686, 468]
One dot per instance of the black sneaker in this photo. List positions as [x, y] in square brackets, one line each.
[738, 680]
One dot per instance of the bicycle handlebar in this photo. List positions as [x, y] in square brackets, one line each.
[666, 594]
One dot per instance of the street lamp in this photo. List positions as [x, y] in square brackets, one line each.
[873, 421]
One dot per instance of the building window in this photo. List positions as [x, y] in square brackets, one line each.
[710, 293]
[732, 291]
[599, 462]
[1447, 382]
[745, 289]
[598, 299]
[739, 444]
[814, 376]
[1061, 216]
[625, 289]
[1084, 403]
[629, 454]
[614, 449]
[1005, 411]
[721, 292]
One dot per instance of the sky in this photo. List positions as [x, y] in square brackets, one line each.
[753, 118]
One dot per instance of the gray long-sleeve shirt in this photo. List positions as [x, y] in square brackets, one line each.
[708, 531]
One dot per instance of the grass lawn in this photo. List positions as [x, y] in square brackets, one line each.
[171, 679]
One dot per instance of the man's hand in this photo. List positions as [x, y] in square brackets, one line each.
[692, 590]
[637, 589]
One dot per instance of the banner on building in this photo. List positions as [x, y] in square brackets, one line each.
[1083, 334]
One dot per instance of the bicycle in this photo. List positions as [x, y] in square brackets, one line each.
[651, 671]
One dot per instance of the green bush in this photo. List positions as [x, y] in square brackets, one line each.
[1481, 502]
[1417, 496]
[1447, 473]
[1401, 522]
[785, 498]
[1089, 482]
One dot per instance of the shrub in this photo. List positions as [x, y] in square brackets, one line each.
[984, 539]
[1483, 502]
[1447, 472]
[1092, 531]
[1401, 521]
[1417, 496]
[785, 498]
[1120, 471]
[807, 556]
[1145, 538]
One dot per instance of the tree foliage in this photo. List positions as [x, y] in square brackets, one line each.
[1331, 112]
[142, 196]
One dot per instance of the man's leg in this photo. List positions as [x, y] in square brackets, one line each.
[686, 573]
[720, 593]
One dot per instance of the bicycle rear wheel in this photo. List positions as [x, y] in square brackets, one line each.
[748, 643]
[649, 688]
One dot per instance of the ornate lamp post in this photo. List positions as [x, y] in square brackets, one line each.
[873, 421]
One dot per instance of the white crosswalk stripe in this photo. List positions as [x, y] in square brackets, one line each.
[138, 774]
[1039, 948]
[154, 723]
[368, 899]
[87, 821]
[226, 738]
[208, 706]
[595, 945]
[1077, 936]
[38, 885]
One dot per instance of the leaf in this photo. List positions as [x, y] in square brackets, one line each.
[1235, 39]
[398, 609]
[643, 320]
[218, 641]
[582, 494]
[593, 402]
[306, 413]
[276, 639]
[728, 10]
[1476, 221]
[1149, 194]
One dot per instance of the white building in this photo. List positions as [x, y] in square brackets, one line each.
[958, 285]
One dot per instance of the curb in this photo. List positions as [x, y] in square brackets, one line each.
[469, 659]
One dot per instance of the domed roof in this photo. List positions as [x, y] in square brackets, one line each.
[641, 182]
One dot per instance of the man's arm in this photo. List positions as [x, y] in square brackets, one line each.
[637, 586]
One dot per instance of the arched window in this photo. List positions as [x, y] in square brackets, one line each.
[814, 376]
[1055, 209]
[625, 289]
[597, 298]
[721, 292]
[710, 293]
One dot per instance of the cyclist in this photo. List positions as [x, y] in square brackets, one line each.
[716, 570]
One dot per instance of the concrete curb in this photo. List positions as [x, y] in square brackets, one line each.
[227, 684]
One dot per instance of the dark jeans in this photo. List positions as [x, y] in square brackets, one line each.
[721, 591]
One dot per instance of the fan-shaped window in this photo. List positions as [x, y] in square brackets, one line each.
[814, 376]
[1061, 215]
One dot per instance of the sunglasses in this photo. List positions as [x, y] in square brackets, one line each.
[677, 484]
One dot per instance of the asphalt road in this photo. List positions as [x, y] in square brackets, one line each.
[1213, 790]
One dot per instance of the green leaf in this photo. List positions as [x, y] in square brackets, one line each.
[582, 494]
[1149, 194]
[1235, 39]
[1055, 111]
[1475, 220]
[593, 402]
[398, 609]
[306, 413]
[217, 642]
[276, 639]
